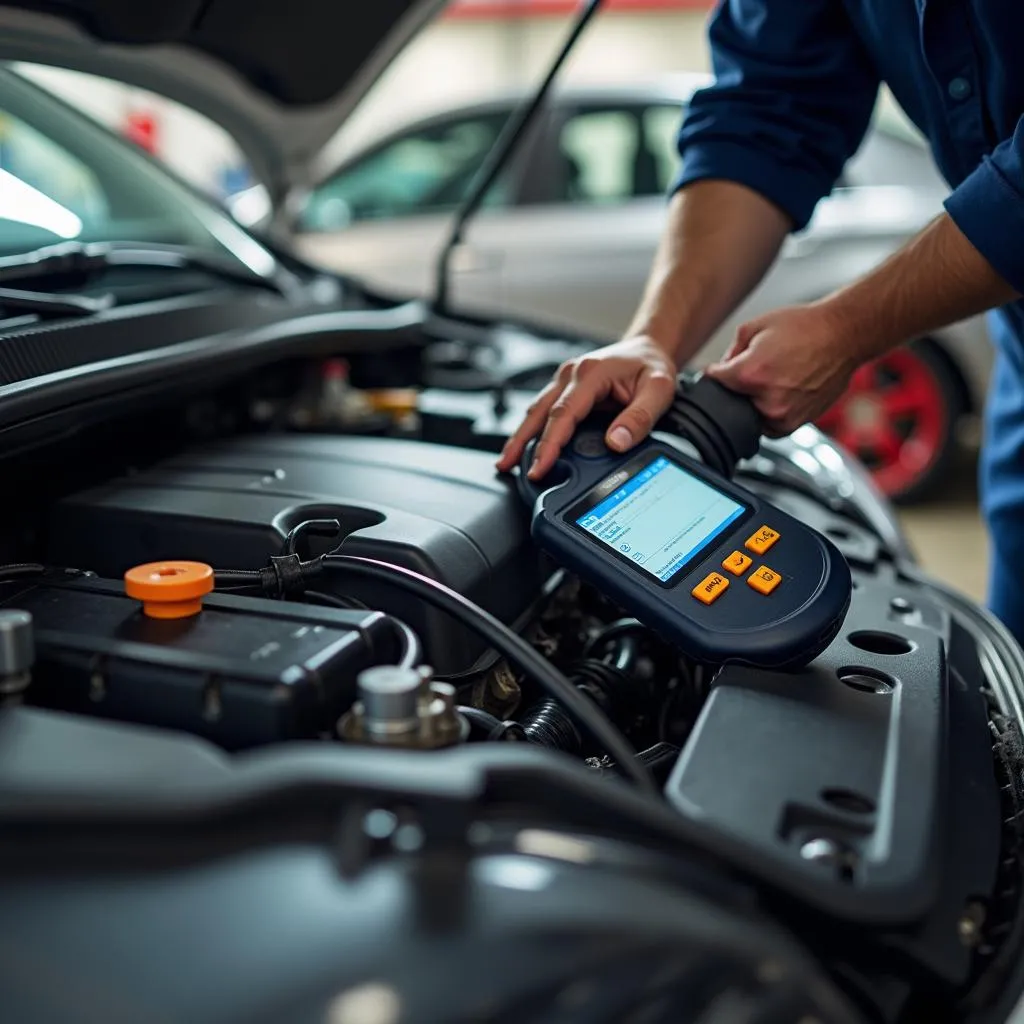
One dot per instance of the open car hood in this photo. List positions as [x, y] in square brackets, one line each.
[280, 77]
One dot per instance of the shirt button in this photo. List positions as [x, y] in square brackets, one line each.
[959, 89]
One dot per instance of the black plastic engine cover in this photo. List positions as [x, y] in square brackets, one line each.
[869, 772]
[441, 511]
[243, 672]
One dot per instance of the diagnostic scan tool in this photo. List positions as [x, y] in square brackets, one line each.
[712, 567]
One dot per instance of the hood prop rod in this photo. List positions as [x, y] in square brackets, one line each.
[497, 158]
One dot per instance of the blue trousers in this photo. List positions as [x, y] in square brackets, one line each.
[1001, 471]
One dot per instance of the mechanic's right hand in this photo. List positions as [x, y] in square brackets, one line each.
[636, 372]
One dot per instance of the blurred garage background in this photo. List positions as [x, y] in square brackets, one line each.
[390, 178]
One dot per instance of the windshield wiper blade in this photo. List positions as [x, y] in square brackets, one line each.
[47, 304]
[81, 261]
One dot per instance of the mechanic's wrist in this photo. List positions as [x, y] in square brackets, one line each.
[858, 334]
[668, 339]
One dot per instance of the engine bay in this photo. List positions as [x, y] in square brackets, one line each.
[870, 800]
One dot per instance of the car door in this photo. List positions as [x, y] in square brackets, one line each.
[385, 215]
[580, 245]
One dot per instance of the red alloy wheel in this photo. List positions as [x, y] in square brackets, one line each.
[894, 417]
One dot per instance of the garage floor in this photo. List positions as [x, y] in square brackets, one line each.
[948, 535]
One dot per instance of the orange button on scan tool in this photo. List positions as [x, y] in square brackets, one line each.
[761, 541]
[737, 563]
[765, 580]
[169, 590]
[711, 588]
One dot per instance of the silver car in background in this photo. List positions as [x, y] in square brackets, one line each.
[567, 233]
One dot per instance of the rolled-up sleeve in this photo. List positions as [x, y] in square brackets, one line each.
[793, 95]
[988, 207]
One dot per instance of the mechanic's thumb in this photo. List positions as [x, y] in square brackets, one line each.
[745, 334]
[637, 420]
[732, 374]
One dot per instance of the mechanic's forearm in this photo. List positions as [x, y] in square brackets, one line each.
[720, 240]
[937, 279]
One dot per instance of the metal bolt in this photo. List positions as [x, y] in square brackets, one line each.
[380, 824]
[370, 1003]
[901, 605]
[17, 645]
[390, 698]
[969, 927]
[444, 692]
[408, 838]
[97, 687]
[822, 851]
[403, 707]
[17, 654]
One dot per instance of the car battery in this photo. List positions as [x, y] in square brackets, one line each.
[239, 671]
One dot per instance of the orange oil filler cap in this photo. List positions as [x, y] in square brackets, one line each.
[169, 590]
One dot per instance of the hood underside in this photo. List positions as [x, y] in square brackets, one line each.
[281, 77]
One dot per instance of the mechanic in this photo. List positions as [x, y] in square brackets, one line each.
[796, 82]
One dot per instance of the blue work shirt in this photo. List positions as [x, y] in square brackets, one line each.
[796, 84]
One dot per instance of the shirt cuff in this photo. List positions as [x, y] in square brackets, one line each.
[990, 213]
[794, 189]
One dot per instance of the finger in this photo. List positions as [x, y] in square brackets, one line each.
[782, 412]
[653, 396]
[778, 409]
[534, 419]
[735, 374]
[745, 334]
[776, 430]
[574, 404]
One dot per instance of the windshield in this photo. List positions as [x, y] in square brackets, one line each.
[64, 177]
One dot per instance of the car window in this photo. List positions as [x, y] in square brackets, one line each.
[187, 142]
[613, 154]
[64, 177]
[46, 186]
[426, 170]
[661, 129]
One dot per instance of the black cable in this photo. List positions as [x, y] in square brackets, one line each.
[348, 603]
[490, 725]
[237, 577]
[620, 627]
[609, 685]
[688, 687]
[491, 657]
[330, 528]
[627, 653]
[286, 575]
[496, 633]
[411, 650]
[548, 725]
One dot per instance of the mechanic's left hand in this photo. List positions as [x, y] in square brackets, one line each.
[794, 363]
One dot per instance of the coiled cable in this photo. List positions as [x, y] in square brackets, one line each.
[287, 574]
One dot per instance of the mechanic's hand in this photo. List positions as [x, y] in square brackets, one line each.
[636, 372]
[794, 363]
